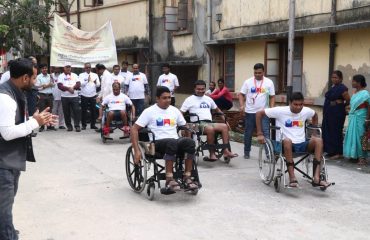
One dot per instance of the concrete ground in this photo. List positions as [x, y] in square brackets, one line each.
[78, 190]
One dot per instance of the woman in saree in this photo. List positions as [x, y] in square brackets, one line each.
[334, 115]
[358, 114]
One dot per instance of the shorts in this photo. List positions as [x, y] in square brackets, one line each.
[300, 147]
[117, 115]
[204, 124]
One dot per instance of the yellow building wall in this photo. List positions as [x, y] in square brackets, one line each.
[183, 45]
[353, 54]
[246, 55]
[127, 20]
[315, 64]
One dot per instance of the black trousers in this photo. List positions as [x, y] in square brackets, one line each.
[171, 148]
[31, 101]
[71, 104]
[88, 103]
[46, 100]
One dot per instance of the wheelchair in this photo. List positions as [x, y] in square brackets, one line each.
[272, 163]
[201, 142]
[115, 124]
[149, 173]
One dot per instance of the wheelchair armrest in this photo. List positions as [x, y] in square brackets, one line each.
[313, 127]
[192, 115]
[185, 128]
[147, 131]
[274, 128]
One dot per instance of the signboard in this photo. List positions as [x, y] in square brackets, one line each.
[76, 47]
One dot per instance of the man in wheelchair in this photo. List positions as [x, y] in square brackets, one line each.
[116, 103]
[291, 119]
[163, 119]
[202, 106]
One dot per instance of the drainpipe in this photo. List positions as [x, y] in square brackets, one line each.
[151, 52]
[333, 40]
[78, 15]
[209, 37]
[291, 22]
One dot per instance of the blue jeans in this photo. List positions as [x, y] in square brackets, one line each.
[139, 106]
[250, 125]
[8, 189]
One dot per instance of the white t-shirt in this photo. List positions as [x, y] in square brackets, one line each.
[201, 106]
[68, 81]
[88, 86]
[162, 122]
[292, 124]
[106, 84]
[257, 94]
[56, 91]
[5, 77]
[136, 82]
[117, 102]
[118, 78]
[168, 80]
[125, 75]
[8, 129]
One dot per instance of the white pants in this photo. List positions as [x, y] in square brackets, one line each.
[58, 110]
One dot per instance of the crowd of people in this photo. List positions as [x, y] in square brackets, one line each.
[54, 99]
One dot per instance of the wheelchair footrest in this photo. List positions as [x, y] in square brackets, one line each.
[108, 138]
[215, 146]
[166, 191]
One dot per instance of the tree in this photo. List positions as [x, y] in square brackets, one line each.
[19, 20]
[66, 6]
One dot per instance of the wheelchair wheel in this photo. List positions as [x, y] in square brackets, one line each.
[150, 191]
[277, 183]
[136, 174]
[266, 161]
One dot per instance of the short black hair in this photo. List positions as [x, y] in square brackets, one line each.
[360, 79]
[100, 66]
[165, 65]
[220, 80]
[20, 67]
[259, 66]
[124, 62]
[338, 73]
[116, 83]
[116, 66]
[161, 90]
[42, 65]
[199, 82]
[296, 96]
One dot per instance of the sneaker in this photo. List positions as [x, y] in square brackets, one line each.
[62, 127]
[246, 156]
[41, 129]
[51, 128]
[94, 127]
[83, 128]
[69, 129]
[78, 129]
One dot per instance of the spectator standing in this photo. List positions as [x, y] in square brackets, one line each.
[125, 73]
[137, 87]
[57, 97]
[44, 85]
[169, 80]
[15, 139]
[257, 93]
[359, 112]
[89, 82]
[334, 115]
[106, 82]
[69, 84]
[117, 77]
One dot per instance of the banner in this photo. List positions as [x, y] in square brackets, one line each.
[76, 47]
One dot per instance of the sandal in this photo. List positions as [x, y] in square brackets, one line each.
[293, 183]
[362, 162]
[233, 155]
[320, 184]
[172, 185]
[207, 159]
[190, 185]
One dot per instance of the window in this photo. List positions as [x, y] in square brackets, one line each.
[179, 16]
[276, 64]
[93, 3]
[229, 66]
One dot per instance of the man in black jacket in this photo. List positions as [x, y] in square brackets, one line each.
[15, 140]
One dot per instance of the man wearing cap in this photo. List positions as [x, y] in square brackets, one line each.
[69, 83]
